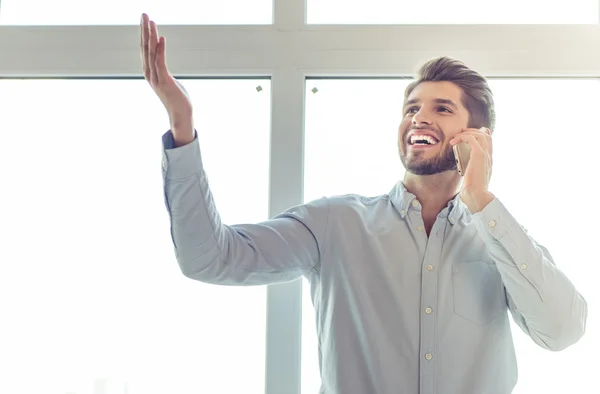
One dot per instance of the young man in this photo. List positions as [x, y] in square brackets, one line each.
[411, 288]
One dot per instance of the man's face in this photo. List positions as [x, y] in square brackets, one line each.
[433, 114]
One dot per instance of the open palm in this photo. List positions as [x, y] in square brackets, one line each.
[167, 88]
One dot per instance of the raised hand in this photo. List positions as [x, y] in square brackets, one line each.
[167, 88]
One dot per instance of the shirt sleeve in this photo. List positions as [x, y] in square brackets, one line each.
[542, 300]
[274, 251]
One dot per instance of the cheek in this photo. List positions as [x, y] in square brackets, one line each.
[406, 120]
[404, 125]
[450, 129]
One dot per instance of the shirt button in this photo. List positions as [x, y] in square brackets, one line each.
[403, 212]
[492, 223]
[429, 267]
[523, 266]
[420, 228]
[452, 221]
[428, 310]
[428, 356]
[415, 203]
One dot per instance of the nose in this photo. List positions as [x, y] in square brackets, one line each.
[421, 118]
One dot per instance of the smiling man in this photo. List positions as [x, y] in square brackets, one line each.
[423, 138]
[412, 288]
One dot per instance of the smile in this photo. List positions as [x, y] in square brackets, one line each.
[422, 140]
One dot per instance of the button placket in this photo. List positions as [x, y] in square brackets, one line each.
[429, 298]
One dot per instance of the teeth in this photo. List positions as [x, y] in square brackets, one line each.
[417, 137]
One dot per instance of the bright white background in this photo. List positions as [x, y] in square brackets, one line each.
[451, 12]
[89, 285]
[119, 12]
[88, 282]
[230, 12]
[545, 166]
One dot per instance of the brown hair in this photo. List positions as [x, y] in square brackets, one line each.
[477, 96]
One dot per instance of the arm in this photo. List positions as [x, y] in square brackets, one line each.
[542, 300]
[277, 250]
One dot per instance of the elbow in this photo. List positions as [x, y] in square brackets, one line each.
[189, 272]
[205, 271]
[202, 267]
[192, 271]
[215, 272]
[565, 337]
[568, 331]
[204, 274]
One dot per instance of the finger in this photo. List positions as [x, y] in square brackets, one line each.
[153, 42]
[471, 140]
[484, 139]
[161, 60]
[479, 149]
[459, 137]
[484, 131]
[145, 38]
[484, 143]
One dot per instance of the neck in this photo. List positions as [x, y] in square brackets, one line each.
[433, 191]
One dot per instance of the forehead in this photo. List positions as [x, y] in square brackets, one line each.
[431, 91]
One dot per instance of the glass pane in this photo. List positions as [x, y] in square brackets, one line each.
[128, 12]
[91, 296]
[533, 162]
[452, 12]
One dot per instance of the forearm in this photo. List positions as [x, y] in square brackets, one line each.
[182, 123]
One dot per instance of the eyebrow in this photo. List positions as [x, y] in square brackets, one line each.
[437, 101]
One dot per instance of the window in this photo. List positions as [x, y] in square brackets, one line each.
[117, 12]
[92, 296]
[89, 314]
[544, 145]
[452, 12]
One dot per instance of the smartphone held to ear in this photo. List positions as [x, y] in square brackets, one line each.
[462, 153]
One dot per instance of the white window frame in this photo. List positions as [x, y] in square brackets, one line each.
[288, 52]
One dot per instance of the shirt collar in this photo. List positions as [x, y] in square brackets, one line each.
[404, 201]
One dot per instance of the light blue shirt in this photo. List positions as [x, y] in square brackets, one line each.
[397, 311]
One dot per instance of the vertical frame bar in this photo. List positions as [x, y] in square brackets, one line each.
[284, 301]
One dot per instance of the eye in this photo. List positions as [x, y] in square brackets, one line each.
[412, 110]
[444, 109]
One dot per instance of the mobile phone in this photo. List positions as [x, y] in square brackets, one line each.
[462, 153]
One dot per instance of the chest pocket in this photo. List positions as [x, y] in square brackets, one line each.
[478, 291]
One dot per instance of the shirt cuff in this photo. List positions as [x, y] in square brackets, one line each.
[181, 162]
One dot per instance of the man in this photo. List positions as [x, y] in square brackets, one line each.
[411, 288]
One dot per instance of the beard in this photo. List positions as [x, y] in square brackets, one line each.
[418, 165]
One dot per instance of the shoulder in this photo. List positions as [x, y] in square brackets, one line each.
[349, 205]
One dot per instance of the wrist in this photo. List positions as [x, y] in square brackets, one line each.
[477, 201]
[182, 129]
